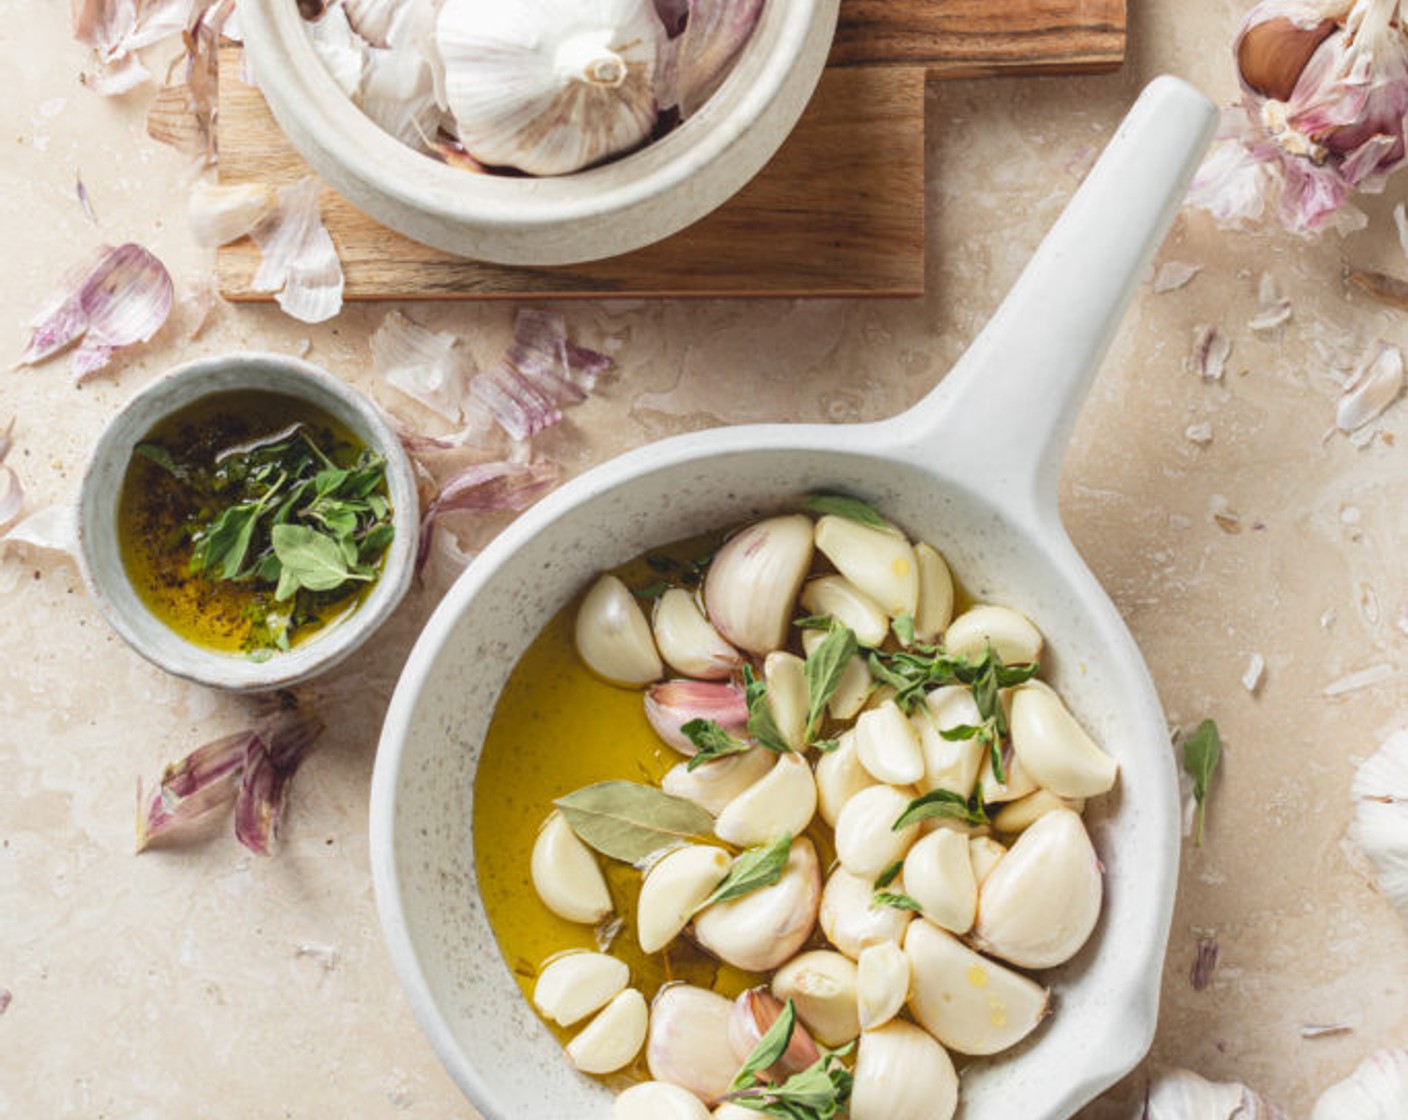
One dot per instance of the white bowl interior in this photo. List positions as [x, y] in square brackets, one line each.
[98, 514]
[461, 989]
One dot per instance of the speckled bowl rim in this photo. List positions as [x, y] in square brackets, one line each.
[100, 559]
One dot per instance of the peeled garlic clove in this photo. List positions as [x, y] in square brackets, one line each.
[1014, 637]
[577, 984]
[882, 984]
[671, 704]
[822, 986]
[689, 1044]
[713, 785]
[787, 696]
[1054, 749]
[902, 1074]
[223, 212]
[782, 800]
[1016, 782]
[686, 640]
[659, 1100]
[837, 597]
[839, 777]
[762, 929]
[613, 1039]
[613, 638]
[986, 853]
[935, 594]
[1376, 1090]
[754, 1012]
[753, 581]
[887, 745]
[880, 562]
[853, 687]
[566, 876]
[1016, 816]
[1041, 902]
[969, 1003]
[866, 841]
[731, 1111]
[950, 764]
[673, 889]
[553, 86]
[938, 874]
[849, 919]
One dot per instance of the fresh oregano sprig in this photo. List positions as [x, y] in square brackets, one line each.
[819, 1092]
[1202, 751]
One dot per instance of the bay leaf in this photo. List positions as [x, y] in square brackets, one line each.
[629, 821]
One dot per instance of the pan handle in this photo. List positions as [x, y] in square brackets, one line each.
[1003, 415]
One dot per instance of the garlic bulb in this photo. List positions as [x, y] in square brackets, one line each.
[1180, 1094]
[566, 876]
[1380, 826]
[902, 1074]
[753, 581]
[689, 1044]
[614, 1037]
[552, 86]
[613, 637]
[822, 985]
[577, 984]
[686, 640]
[1377, 1090]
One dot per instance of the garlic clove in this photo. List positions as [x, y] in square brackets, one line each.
[853, 687]
[577, 984]
[787, 696]
[822, 986]
[986, 853]
[613, 638]
[219, 213]
[839, 777]
[837, 597]
[566, 876]
[1376, 1090]
[969, 1003]
[1016, 782]
[1053, 747]
[950, 764]
[866, 840]
[902, 1074]
[753, 581]
[613, 1039]
[669, 705]
[938, 874]
[659, 1100]
[687, 641]
[689, 1044]
[882, 984]
[851, 921]
[673, 889]
[935, 594]
[1272, 50]
[1040, 904]
[1014, 637]
[880, 562]
[1017, 816]
[754, 1012]
[731, 1111]
[782, 800]
[549, 87]
[760, 930]
[715, 784]
[887, 745]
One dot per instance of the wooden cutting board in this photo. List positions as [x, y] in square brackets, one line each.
[838, 212]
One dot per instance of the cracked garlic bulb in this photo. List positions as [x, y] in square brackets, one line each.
[552, 86]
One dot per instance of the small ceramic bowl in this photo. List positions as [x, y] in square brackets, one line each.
[98, 503]
[600, 212]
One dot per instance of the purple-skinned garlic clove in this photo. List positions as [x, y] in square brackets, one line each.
[670, 705]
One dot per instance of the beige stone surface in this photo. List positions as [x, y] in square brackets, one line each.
[206, 982]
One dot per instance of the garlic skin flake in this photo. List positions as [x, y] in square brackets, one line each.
[1380, 825]
[1377, 1090]
[613, 639]
[566, 876]
[219, 213]
[1375, 384]
[299, 261]
[902, 1074]
[614, 1037]
[577, 984]
[553, 86]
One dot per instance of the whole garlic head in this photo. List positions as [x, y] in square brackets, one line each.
[553, 86]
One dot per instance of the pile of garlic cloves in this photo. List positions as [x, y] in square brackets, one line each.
[537, 87]
[827, 698]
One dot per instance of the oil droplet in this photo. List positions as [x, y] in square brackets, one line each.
[900, 567]
[977, 976]
[997, 1013]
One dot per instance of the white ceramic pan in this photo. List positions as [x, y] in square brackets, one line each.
[972, 468]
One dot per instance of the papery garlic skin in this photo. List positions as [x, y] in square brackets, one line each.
[762, 929]
[752, 582]
[673, 889]
[851, 921]
[782, 801]
[902, 1074]
[553, 86]
[566, 876]
[879, 562]
[717, 783]
[1376, 1090]
[611, 1040]
[686, 640]
[1380, 825]
[882, 984]
[822, 986]
[613, 638]
[577, 984]
[219, 213]
[658, 1100]
[689, 1044]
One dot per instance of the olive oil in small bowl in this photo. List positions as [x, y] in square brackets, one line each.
[247, 521]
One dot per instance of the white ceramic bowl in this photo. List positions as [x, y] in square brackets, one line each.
[101, 558]
[973, 469]
[600, 212]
